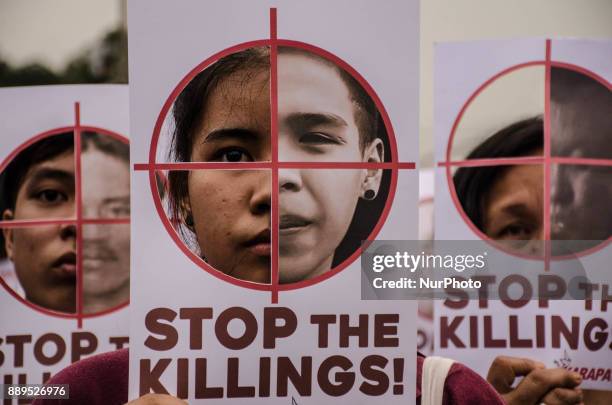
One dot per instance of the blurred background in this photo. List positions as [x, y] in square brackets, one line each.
[85, 41]
[62, 41]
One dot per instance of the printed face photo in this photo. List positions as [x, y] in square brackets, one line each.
[324, 115]
[507, 202]
[44, 257]
[106, 247]
[514, 209]
[581, 124]
[318, 122]
[39, 184]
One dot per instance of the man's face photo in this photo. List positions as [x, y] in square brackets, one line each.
[106, 247]
[581, 127]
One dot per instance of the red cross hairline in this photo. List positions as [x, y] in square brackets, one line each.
[273, 165]
[527, 160]
[79, 213]
[274, 269]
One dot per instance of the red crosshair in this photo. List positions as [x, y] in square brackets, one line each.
[547, 160]
[274, 165]
[78, 221]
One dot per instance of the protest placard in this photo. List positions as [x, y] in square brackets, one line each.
[524, 165]
[64, 251]
[271, 140]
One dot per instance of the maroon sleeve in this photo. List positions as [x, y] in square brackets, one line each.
[97, 380]
[463, 386]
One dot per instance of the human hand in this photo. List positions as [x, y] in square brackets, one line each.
[157, 399]
[540, 385]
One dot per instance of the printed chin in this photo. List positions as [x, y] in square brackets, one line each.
[295, 268]
[61, 299]
[101, 280]
[258, 271]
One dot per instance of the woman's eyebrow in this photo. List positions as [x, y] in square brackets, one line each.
[231, 133]
[308, 120]
[517, 209]
[45, 173]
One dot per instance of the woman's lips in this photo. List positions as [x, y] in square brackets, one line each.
[65, 265]
[261, 249]
[260, 244]
[290, 224]
[98, 257]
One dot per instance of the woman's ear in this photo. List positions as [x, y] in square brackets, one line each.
[374, 153]
[7, 215]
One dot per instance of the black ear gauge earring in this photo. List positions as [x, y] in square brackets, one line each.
[369, 194]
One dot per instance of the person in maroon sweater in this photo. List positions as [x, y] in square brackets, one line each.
[103, 380]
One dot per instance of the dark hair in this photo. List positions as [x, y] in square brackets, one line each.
[474, 183]
[189, 106]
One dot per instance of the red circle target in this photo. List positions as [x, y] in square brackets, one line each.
[552, 157]
[274, 165]
[67, 142]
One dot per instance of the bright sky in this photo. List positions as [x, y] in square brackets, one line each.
[52, 31]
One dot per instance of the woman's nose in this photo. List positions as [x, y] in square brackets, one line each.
[68, 231]
[289, 180]
[260, 198]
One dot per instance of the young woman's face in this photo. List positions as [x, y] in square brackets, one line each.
[231, 208]
[316, 120]
[45, 256]
[106, 248]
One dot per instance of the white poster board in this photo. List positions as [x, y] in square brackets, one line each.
[556, 92]
[283, 319]
[425, 339]
[64, 262]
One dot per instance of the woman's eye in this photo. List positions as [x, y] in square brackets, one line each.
[51, 196]
[232, 155]
[515, 231]
[318, 138]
